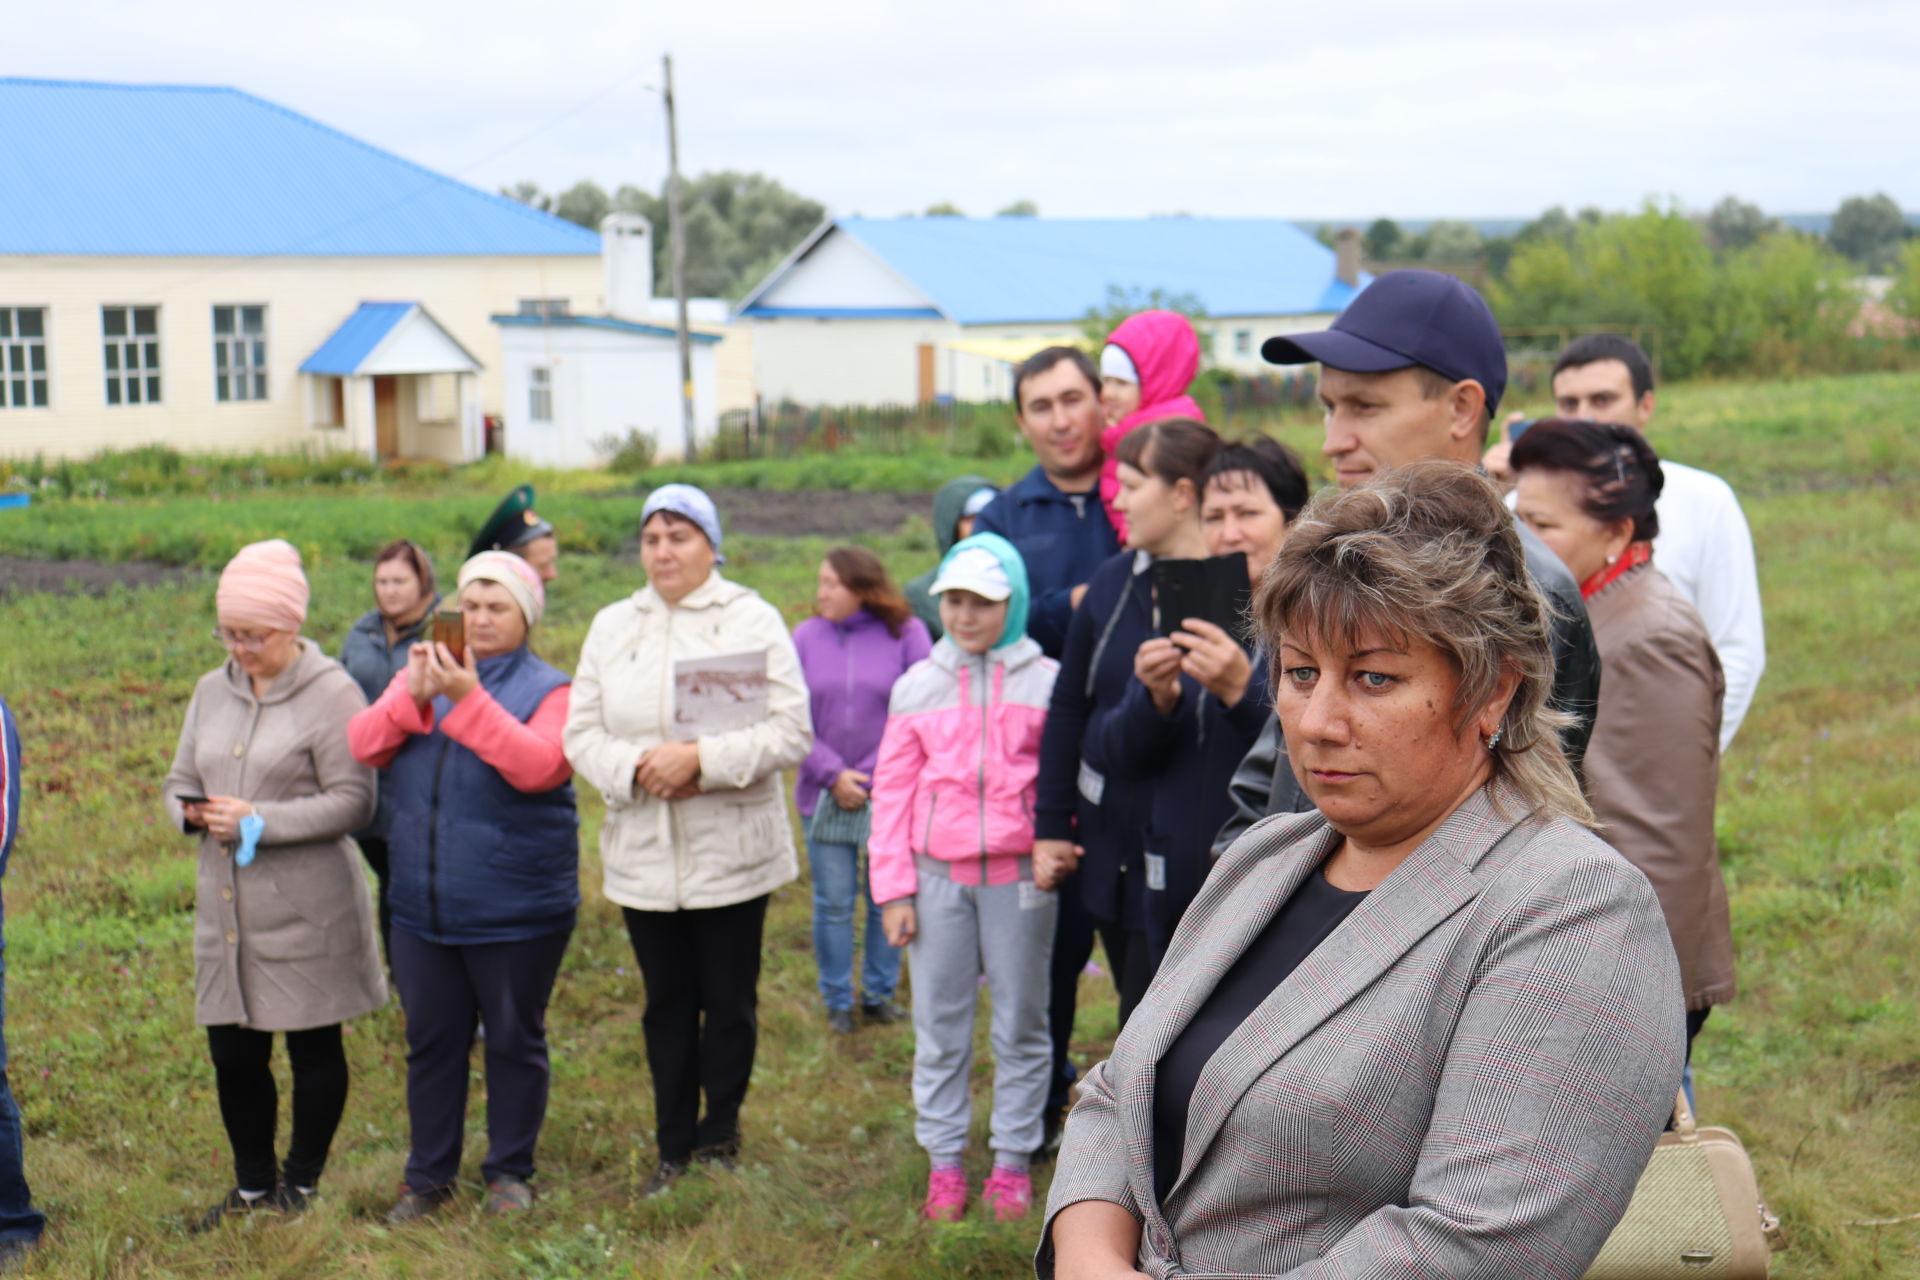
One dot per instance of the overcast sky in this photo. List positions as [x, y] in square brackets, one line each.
[1405, 107]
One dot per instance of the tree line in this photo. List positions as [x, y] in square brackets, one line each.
[1729, 290]
[1869, 231]
[739, 226]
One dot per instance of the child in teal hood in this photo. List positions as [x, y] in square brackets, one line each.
[966, 559]
[951, 865]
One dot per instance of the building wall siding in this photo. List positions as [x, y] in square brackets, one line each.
[306, 299]
[604, 384]
[845, 361]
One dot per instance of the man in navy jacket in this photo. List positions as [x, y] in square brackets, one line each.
[1053, 515]
[20, 1222]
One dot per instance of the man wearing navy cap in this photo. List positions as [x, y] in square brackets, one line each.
[1413, 370]
[515, 526]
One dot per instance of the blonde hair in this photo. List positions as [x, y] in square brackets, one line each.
[1428, 553]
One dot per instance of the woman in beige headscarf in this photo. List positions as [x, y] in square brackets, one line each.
[284, 934]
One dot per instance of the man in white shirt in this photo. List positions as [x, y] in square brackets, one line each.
[1704, 544]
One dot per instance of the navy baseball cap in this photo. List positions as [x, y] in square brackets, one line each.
[1406, 318]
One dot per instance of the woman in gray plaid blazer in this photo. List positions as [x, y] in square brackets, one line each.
[1433, 1028]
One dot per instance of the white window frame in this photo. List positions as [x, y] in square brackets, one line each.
[540, 394]
[1243, 342]
[25, 365]
[239, 357]
[322, 388]
[131, 359]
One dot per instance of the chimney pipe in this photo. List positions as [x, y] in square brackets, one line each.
[1346, 257]
[626, 258]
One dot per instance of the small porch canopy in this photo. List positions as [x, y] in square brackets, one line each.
[397, 384]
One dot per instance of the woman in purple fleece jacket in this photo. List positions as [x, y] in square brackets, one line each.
[863, 640]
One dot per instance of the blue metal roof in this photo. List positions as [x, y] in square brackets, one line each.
[517, 321]
[108, 169]
[361, 333]
[1007, 270]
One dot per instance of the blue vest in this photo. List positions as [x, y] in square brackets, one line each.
[472, 860]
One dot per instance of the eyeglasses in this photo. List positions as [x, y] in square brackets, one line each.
[234, 640]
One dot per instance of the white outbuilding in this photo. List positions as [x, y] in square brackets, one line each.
[578, 387]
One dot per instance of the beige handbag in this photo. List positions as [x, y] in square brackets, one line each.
[1696, 1212]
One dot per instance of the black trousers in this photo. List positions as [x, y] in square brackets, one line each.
[374, 850]
[702, 975]
[1072, 948]
[250, 1104]
[1130, 958]
[444, 991]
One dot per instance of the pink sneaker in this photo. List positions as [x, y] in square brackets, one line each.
[1009, 1191]
[946, 1195]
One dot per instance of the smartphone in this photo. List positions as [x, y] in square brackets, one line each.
[191, 799]
[1215, 590]
[450, 629]
[1518, 429]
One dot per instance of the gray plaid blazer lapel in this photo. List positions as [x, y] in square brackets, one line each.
[1434, 882]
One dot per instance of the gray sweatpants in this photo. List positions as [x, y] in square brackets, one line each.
[1007, 931]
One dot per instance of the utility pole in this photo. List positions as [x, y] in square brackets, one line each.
[677, 251]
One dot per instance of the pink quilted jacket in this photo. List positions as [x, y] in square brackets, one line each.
[958, 765]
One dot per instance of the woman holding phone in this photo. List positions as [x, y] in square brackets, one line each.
[1197, 700]
[1089, 817]
[485, 876]
[283, 934]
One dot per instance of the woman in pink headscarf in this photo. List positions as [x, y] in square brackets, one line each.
[1145, 369]
[284, 934]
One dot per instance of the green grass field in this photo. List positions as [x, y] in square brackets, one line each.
[1817, 1064]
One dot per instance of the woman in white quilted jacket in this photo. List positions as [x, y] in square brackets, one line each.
[687, 704]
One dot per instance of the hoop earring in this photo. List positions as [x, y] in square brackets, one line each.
[1493, 743]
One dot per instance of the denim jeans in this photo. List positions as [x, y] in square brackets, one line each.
[836, 884]
[19, 1220]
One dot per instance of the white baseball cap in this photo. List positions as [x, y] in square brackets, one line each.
[974, 569]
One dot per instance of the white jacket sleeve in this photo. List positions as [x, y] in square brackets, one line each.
[596, 754]
[1729, 603]
[742, 757]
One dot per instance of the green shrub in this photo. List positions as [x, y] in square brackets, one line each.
[629, 455]
[1780, 305]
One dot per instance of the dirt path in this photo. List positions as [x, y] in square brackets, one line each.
[758, 513]
[83, 577]
[772, 513]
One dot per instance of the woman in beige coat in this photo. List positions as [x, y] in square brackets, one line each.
[1653, 766]
[284, 934]
[687, 703]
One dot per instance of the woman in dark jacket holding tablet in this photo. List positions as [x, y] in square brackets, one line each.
[1089, 822]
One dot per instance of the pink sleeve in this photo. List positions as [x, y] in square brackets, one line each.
[527, 755]
[376, 735]
[1110, 483]
[890, 870]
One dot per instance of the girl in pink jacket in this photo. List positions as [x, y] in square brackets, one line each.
[1150, 360]
[952, 866]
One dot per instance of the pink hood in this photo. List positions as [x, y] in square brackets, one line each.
[1166, 353]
